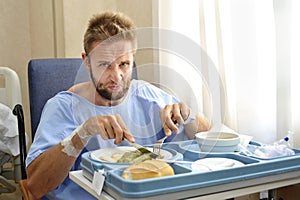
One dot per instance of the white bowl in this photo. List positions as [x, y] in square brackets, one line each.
[218, 141]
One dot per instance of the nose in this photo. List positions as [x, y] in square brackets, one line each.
[116, 74]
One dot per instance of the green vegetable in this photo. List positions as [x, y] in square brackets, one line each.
[134, 157]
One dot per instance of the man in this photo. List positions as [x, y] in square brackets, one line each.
[102, 112]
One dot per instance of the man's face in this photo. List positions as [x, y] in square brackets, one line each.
[111, 69]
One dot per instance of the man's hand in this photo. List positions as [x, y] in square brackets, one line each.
[109, 127]
[173, 115]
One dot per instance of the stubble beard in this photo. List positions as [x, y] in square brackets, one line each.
[112, 96]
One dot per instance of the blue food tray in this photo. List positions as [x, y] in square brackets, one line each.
[185, 179]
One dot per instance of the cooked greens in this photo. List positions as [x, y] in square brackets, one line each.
[134, 157]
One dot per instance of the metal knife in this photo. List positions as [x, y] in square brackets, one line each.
[142, 149]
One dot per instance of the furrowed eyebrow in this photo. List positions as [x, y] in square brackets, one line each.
[125, 61]
[104, 61]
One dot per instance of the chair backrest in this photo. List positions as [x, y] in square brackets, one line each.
[47, 77]
[10, 91]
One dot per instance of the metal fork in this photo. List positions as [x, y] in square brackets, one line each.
[158, 144]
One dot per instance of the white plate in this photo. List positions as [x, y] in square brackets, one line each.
[111, 155]
[212, 164]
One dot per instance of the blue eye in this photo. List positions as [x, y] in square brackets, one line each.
[103, 64]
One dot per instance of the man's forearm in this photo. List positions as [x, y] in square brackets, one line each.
[50, 169]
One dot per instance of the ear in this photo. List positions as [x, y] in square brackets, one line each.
[86, 61]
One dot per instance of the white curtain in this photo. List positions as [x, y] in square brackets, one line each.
[253, 46]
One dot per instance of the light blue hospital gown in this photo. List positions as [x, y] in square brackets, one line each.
[64, 112]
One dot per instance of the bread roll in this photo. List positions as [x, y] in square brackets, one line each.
[147, 169]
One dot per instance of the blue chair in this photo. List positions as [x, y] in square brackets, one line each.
[47, 77]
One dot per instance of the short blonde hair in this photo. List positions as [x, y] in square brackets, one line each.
[106, 25]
